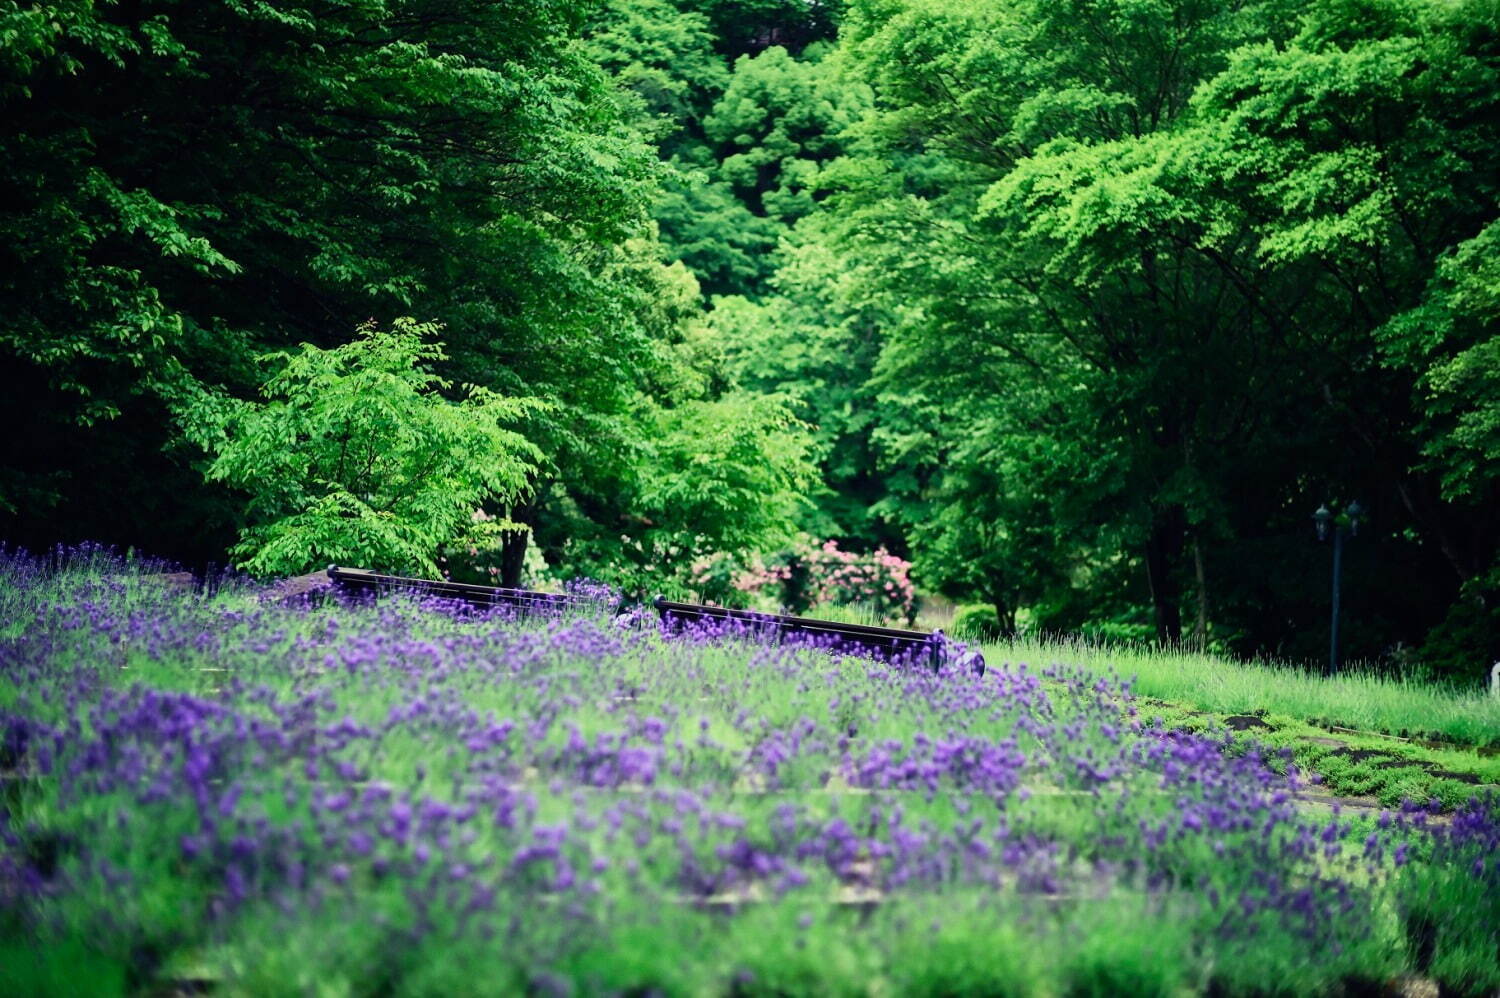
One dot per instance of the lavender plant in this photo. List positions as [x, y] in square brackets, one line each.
[416, 797]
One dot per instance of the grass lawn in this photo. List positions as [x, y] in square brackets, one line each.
[1362, 733]
[232, 795]
[1355, 698]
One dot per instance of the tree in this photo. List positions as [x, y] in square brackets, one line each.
[1451, 340]
[813, 342]
[1172, 269]
[777, 123]
[462, 161]
[1362, 149]
[707, 475]
[663, 58]
[755, 165]
[356, 458]
[747, 26]
[1003, 202]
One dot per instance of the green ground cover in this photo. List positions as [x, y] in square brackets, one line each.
[1362, 733]
[232, 795]
[1355, 698]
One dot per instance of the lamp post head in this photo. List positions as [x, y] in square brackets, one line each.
[1323, 518]
[1355, 512]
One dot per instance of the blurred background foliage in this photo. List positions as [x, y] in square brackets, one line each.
[1080, 306]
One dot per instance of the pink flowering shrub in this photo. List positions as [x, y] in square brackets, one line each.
[713, 579]
[879, 580]
[810, 575]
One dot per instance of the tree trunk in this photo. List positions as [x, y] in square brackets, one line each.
[1200, 628]
[1006, 615]
[1163, 549]
[513, 557]
[513, 545]
[1005, 609]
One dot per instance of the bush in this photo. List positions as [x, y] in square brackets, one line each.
[810, 575]
[1462, 648]
[356, 457]
[976, 623]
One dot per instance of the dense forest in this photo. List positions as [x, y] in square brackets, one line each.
[1081, 307]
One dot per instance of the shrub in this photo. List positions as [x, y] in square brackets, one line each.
[811, 575]
[356, 457]
[976, 623]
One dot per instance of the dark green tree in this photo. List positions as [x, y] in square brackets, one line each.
[1177, 265]
[744, 27]
[1003, 204]
[1362, 150]
[193, 184]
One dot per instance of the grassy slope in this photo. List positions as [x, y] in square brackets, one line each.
[1364, 734]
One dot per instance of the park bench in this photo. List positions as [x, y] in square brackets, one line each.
[359, 581]
[931, 648]
[893, 644]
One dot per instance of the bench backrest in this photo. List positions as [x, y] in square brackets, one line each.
[930, 648]
[359, 580]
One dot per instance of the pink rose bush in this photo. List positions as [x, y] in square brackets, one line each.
[810, 575]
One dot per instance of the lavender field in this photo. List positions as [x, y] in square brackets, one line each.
[235, 794]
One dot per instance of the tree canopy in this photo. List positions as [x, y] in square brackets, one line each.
[355, 458]
[1084, 307]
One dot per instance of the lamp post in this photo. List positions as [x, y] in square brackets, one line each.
[1337, 527]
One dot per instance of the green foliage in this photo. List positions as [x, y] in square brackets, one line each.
[732, 470]
[663, 58]
[777, 124]
[727, 245]
[1154, 280]
[1056, 344]
[464, 162]
[757, 164]
[976, 623]
[743, 26]
[1361, 150]
[1082, 307]
[815, 341]
[1453, 339]
[355, 458]
[727, 474]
